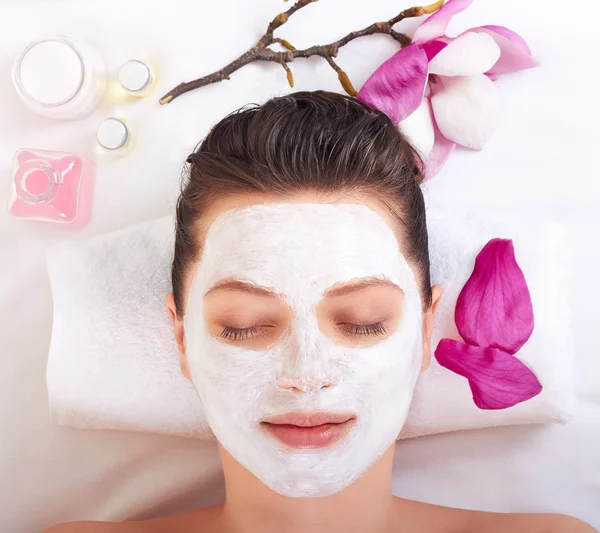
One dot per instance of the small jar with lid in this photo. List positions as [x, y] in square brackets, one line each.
[114, 136]
[137, 77]
[60, 77]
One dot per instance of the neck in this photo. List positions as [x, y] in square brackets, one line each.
[366, 505]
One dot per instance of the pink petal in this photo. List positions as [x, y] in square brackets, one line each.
[512, 36]
[436, 24]
[466, 109]
[433, 48]
[442, 148]
[497, 379]
[494, 307]
[515, 54]
[397, 86]
[471, 53]
[418, 128]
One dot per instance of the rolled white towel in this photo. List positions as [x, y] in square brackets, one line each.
[113, 362]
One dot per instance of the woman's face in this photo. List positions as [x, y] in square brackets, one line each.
[304, 335]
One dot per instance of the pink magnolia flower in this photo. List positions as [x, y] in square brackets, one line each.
[440, 90]
[494, 316]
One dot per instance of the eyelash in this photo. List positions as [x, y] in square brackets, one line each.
[366, 329]
[237, 334]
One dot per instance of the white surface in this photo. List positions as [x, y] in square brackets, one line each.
[113, 360]
[541, 159]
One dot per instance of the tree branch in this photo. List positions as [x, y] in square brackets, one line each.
[261, 52]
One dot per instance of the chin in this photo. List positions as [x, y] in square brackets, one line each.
[300, 488]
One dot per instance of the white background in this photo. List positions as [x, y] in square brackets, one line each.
[542, 159]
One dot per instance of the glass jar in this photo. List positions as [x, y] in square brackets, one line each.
[51, 187]
[60, 77]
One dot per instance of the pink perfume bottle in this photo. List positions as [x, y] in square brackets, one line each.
[52, 187]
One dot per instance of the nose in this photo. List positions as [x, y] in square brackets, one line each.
[307, 367]
[303, 384]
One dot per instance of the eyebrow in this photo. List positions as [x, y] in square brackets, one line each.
[352, 286]
[336, 290]
[237, 285]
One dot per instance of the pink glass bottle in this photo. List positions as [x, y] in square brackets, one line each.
[52, 187]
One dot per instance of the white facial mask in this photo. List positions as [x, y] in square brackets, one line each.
[301, 250]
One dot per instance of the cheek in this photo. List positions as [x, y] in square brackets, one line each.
[383, 369]
[229, 371]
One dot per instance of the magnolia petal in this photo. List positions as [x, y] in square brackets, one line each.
[512, 36]
[494, 307]
[515, 54]
[435, 25]
[433, 48]
[442, 148]
[471, 53]
[497, 379]
[418, 129]
[466, 109]
[396, 88]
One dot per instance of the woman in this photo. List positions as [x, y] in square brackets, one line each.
[302, 308]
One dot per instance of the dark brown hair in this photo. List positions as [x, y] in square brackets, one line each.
[316, 141]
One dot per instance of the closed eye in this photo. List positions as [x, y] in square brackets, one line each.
[240, 334]
[378, 328]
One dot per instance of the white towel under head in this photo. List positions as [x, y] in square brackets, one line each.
[113, 362]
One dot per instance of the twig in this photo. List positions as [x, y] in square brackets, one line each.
[261, 52]
[343, 77]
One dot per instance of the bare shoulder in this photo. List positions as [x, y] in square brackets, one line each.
[97, 527]
[570, 523]
[199, 521]
[81, 527]
[557, 523]
[527, 523]
[437, 519]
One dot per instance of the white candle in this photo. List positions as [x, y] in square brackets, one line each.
[136, 77]
[114, 136]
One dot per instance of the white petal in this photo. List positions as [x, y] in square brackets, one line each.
[418, 128]
[471, 53]
[466, 109]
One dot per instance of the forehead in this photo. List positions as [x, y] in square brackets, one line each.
[301, 248]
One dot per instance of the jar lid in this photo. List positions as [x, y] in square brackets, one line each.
[134, 75]
[112, 133]
[50, 72]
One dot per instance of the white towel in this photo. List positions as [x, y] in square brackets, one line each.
[113, 363]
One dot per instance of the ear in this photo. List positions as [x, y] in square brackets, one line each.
[179, 332]
[436, 293]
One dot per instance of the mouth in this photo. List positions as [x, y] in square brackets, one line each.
[309, 430]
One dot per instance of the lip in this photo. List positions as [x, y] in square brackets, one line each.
[309, 430]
